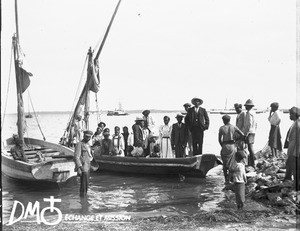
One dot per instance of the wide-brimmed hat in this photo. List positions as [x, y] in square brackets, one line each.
[99, 124]
[179, 115]
[187, 105]
[139, 118]
[193, 101]
[249, 102]
[295, 110]
[88, 133]
[106, 131]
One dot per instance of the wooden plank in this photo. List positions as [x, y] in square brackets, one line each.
[43, 151]
[30, 156]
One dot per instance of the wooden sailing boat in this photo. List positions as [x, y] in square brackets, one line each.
[196, 166]
[29, 159]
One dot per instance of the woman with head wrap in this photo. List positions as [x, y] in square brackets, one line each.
[274, 135]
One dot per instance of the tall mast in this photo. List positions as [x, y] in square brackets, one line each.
[107, 31]
[17, 21]
[20, 106]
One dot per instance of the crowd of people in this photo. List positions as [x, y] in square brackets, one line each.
[236, 139]
[185, 138]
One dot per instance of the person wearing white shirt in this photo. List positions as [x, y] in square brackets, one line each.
[165, 132]
[249, 128]
[149, 122]
[274, 135]
[118, 142]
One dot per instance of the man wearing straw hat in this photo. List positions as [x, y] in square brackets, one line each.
[197, 121]
[137, 129]
[249, 128]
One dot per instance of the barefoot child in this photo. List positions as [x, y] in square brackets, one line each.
[239, 179]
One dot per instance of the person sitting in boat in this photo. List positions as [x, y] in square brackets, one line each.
[106, 143]
[146, 134]
[96, 141]
[97, 137]
[118, 143]
[101, 125]
[154, 146]
[85, 120]
[138, 151]
[149, 122]
[125, 135]
[17, 151]
[130, 149]
[165, 139]
[78, 129]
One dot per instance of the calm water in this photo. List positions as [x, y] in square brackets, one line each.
[132, 194]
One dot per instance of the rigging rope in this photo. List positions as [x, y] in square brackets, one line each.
[9, 75]
[36, 116]
[97, 107]
[76, 95]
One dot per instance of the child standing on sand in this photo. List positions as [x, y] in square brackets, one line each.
[239, 179]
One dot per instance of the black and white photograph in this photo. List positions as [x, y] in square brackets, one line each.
[150, 115]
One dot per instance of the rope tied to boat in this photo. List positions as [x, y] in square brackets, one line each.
[44, 138]
[7, 91]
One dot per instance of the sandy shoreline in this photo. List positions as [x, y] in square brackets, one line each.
[254, 216]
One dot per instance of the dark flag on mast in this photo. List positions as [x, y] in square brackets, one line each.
[24, 79]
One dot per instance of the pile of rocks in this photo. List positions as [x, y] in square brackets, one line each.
[266, 182]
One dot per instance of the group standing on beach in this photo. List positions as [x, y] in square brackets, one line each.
[185, 138]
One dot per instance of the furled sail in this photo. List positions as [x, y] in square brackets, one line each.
[92, 84]
[22, 83]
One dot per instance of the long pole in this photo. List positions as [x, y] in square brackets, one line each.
[107, 31]
[20, 106]
[17, 21]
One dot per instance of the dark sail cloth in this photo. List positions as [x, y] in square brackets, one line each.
[275, 137]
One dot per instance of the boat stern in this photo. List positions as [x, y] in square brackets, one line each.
[58, 171]
[208, 161]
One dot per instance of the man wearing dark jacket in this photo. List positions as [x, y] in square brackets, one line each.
[137, 129]
[197, 121]
[83, 157]
[179, 137]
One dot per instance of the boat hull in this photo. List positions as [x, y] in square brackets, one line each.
[58, 166]
[196, 166]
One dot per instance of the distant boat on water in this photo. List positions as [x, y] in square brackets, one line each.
[28, 116]
[117, 112]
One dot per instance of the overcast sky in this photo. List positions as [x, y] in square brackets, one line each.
[159, 54]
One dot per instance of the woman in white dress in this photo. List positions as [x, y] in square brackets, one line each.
[165, 139]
